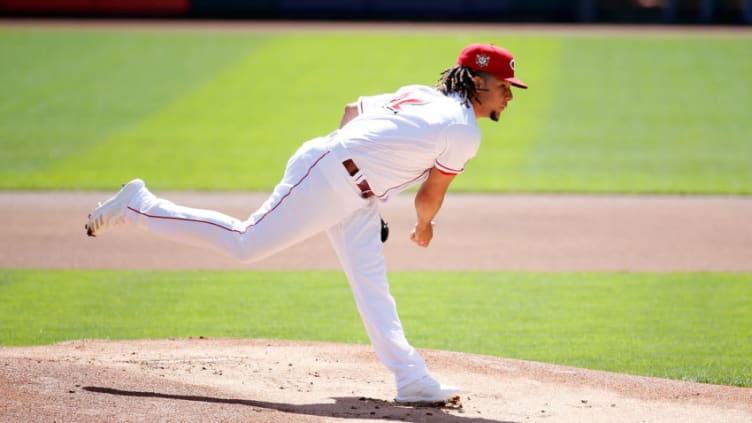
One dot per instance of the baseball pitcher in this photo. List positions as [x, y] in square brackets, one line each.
[384, 145]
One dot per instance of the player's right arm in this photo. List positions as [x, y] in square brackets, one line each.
[428, 201]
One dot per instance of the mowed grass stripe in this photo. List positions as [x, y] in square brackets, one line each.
[66, 91]
[682, 326]
[657, 114]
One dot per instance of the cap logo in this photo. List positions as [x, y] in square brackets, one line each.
[511, 64]
[482, 60]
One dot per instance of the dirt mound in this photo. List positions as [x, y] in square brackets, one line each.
[284, 381]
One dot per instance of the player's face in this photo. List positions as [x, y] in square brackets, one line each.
[494, 95]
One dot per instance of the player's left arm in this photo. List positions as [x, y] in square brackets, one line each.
[428, 201]
[350, 113]
[364, 105]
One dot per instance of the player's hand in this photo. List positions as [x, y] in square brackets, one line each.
[422, 234]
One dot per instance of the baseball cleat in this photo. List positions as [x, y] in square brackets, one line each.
[112, 212]
[427, 391]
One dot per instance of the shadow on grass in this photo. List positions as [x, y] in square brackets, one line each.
[343, 407]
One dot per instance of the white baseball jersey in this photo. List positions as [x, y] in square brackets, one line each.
[397, 138]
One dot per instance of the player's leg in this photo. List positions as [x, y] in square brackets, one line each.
[357, 242]
[307, 201]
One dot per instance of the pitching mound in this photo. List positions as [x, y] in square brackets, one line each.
[282, 381]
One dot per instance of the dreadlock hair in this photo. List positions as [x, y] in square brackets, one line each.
[459, 80]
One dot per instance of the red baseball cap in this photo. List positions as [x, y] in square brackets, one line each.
[489, 58]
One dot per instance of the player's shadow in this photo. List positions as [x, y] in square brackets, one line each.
[343, 407]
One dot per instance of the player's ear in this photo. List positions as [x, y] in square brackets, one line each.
[480, 82]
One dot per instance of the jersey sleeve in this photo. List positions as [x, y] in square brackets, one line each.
[461, 144]
[374, 103]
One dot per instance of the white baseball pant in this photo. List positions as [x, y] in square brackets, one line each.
[316, 194]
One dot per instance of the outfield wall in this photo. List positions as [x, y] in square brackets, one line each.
[734, 12]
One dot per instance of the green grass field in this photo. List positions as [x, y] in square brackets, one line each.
[682, 326]
[224, 110]
[212, 110]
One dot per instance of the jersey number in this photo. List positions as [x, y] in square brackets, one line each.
[395, 104]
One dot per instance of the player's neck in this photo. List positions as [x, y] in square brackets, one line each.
[479, 110]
